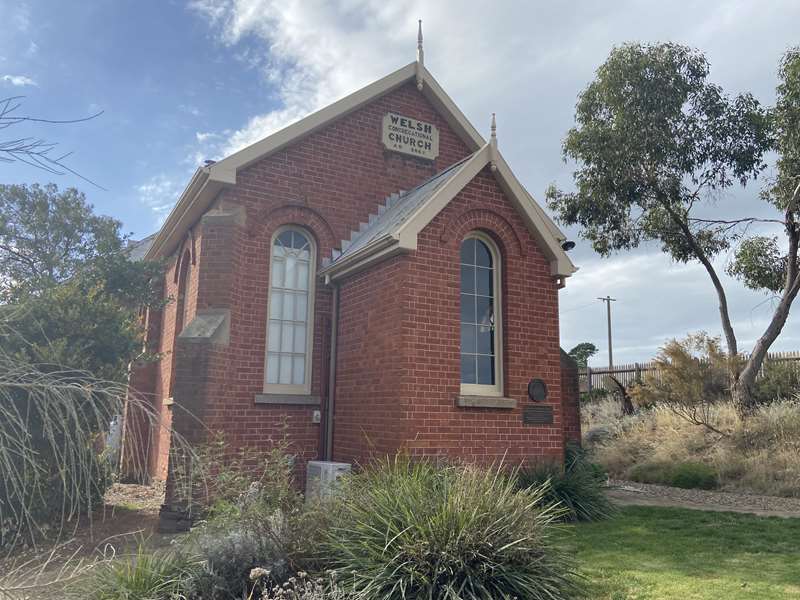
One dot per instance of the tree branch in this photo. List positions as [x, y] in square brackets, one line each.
[747, 220]
[36, 152]
[727, 326]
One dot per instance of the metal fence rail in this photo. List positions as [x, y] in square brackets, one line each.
[595, 378]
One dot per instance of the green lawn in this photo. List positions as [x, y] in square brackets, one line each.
[647, 553]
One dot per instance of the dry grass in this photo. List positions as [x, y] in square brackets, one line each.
[761, 456]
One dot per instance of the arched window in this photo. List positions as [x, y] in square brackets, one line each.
[481, 323]
[291, 312]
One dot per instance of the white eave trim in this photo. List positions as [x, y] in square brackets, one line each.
[540, 225]
[404, 237]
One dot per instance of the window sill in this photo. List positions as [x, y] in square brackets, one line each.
[296, 399]
[463, 401]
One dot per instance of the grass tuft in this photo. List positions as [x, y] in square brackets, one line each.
[406, 529]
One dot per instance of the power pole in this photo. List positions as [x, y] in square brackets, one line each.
[608, 300]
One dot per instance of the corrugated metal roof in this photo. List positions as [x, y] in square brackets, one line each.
[397, 209]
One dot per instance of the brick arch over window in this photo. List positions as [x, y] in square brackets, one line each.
[455, 230]
[268, 220]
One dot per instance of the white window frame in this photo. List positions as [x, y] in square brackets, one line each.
[305, 388]
[474, 389]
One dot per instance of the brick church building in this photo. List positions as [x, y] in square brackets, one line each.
[370, 279]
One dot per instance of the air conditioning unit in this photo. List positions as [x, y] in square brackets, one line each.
[321, 475]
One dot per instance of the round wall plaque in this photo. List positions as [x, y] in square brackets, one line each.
[537, 390]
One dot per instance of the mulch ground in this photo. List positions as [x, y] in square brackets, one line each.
[128, 517]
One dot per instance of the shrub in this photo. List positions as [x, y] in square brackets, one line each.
[692, 377]
[780, 380]
[578, 487]
[258, 520]
[144, 575]
[228, 557]
[761, 455]
[301, 587]
[693, 475]
[407, 529]
[687, 475]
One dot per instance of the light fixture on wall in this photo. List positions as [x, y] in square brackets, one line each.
[568, 245]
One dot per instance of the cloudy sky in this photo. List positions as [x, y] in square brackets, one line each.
[182, 81]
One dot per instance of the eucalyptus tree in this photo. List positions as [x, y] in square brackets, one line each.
[658, 145]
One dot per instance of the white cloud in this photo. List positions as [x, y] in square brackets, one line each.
[159, 194]
[18, 80]
[527, 62]
[204, 136]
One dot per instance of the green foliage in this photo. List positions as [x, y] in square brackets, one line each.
[694, 476]
[760, 264]
[687, 475]
[67, 283]
[651, 134]
[583, 352]
[145, 575]
[69, 328]
[47, 236]
[578, 487]
[786, 122]
[780, 380]
[403, 529]
[257, 519]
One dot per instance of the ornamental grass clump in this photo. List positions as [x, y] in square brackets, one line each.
[579, 487]
[404, 529]
[143, 575]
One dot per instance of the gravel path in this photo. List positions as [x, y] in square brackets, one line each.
[629, 492]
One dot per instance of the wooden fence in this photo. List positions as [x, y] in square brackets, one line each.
[595, 378]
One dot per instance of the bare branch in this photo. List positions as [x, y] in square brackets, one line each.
[36, 152]
[744, 221]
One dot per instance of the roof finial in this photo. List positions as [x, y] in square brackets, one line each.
[420, 57]
[420, 52]
[493, 146]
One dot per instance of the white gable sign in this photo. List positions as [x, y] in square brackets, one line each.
[409, 136]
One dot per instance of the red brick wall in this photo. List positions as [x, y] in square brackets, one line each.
[328, 183]
[570, 389]
[372, 363]
[530, 335]
[398, 366]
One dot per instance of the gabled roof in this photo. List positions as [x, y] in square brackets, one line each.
[391, 215]
[394, 228]
[209, 180]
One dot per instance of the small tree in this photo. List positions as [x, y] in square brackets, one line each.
[582, 353]
[655, 140]
[691, 379]
[69, 328]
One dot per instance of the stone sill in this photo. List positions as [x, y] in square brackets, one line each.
[485, 402]
[296, 399]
